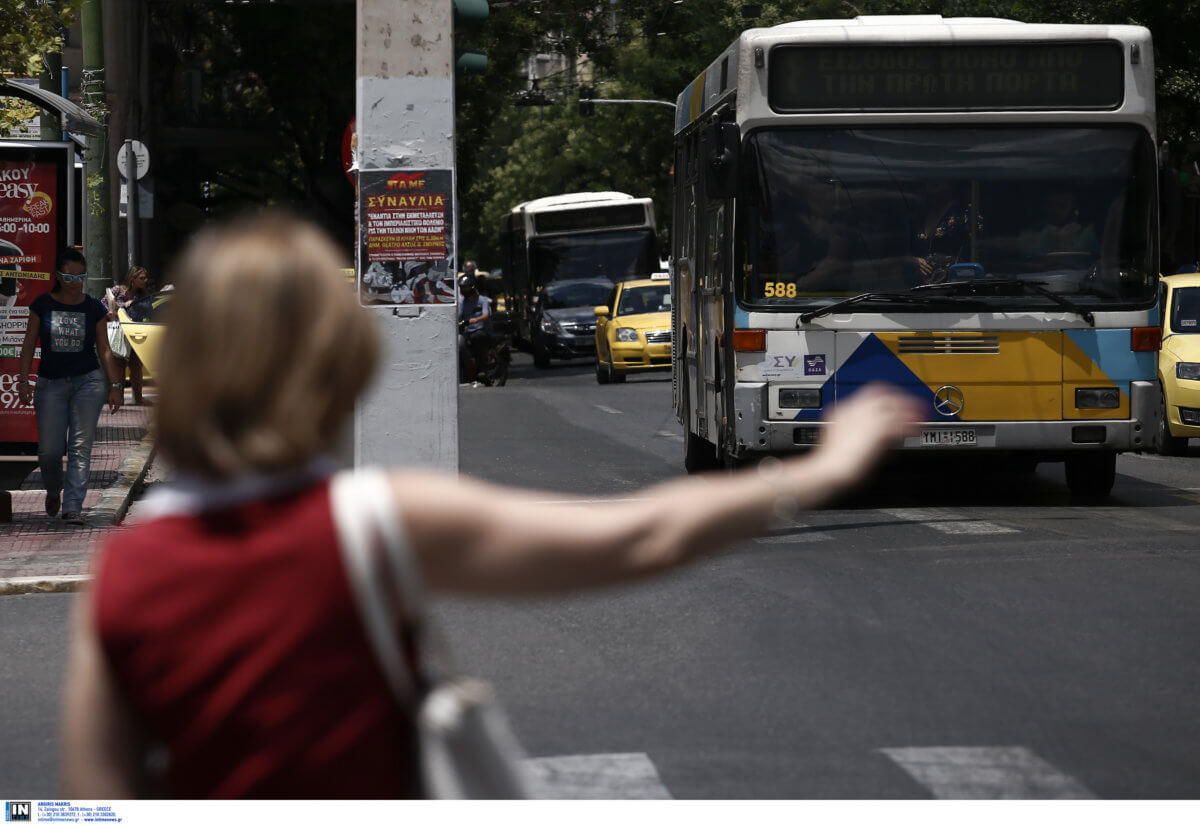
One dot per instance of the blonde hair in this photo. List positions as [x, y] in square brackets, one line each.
[133, 272]
[265, 349]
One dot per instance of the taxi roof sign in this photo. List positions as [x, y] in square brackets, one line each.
[660, 276]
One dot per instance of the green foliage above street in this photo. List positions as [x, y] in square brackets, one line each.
[29, 29]
[509, 153]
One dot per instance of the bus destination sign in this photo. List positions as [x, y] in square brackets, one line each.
[976, 77]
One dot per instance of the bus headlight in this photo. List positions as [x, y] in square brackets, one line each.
[627, 335]
[1187, 371]
[1100, 398]
[799, 398]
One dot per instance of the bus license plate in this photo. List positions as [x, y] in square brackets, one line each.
[948, 437]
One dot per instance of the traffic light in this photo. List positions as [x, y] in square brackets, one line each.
[586, 107]
[470, 13]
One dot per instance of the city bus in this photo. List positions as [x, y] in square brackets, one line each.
[963, 208]
[577, 236]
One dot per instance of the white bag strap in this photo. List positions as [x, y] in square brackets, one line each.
[365, 518]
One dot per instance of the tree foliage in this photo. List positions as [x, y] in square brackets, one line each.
[653, 49]
[29, 29]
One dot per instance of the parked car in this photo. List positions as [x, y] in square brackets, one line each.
[564, 323]
[633, 329]
[141, 322]
[1179, 363]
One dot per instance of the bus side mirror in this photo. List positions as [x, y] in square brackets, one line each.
[722, 141]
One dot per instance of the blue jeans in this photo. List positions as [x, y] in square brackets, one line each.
[68, 410]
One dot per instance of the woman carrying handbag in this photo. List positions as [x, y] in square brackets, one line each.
[136, 285]
[260, 629]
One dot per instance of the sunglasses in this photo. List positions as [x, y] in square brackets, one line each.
[82, 276]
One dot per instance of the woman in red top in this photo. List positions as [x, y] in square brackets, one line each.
[220, 640]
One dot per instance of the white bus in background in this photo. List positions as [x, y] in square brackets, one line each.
[966, 209]
[578, 236]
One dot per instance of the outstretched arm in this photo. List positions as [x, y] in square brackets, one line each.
[470, 536]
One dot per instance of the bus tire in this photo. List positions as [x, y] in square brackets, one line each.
[1168, 444]
[1091, 475]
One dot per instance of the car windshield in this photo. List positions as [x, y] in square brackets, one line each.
[1185, 310]
[565, 293]
[624, 255]
[641, 299]
[831, 213]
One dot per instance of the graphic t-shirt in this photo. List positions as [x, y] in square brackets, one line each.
[67, 335]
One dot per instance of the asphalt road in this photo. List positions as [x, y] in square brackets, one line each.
[950, 631]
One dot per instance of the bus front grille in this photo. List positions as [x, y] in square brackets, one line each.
[949, 345]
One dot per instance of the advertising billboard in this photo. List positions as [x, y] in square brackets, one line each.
[36, 182]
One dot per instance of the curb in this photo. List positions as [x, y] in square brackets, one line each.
[114, 502]
[109, 511]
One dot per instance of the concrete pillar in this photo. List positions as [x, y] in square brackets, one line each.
[405, 117]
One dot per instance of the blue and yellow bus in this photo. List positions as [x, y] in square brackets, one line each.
[965, 208]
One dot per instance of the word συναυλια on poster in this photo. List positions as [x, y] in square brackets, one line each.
[406, 221]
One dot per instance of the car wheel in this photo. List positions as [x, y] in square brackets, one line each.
[615, 374]
[1090, 476]
[601, 371]
[1168, 444]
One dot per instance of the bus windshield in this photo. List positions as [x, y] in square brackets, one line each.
[829, 213]
[623, 255]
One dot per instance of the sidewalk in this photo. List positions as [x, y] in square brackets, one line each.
[40, 554]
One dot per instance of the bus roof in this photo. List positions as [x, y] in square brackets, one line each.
[574, 201]
[741, 67]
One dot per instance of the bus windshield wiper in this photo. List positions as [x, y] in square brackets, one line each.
[1038, 287]
[885, 297]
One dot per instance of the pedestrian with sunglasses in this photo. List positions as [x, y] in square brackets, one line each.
[71, 328]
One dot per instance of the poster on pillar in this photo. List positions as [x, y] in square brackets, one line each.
[406, 227]
[34, 181]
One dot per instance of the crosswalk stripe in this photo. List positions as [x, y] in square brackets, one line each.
[947, 522]
[599, 776]
[985, 773]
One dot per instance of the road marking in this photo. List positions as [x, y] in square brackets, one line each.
[602, 776]
[673, 435]
[607, 409]
[985, 773]
[947, 522]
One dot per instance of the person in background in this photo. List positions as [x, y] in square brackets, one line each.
[71, 384]
[136, 285]
[221, 632]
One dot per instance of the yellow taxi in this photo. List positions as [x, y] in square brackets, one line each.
[633, 331]
[1179, 363]
[141, 322]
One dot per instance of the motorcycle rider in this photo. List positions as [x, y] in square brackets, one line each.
[475, 327]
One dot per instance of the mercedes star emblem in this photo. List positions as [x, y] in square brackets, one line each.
[948, 401]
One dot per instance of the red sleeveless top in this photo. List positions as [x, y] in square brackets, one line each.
[235, 638]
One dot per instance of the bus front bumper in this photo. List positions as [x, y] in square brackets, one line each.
[755, 433]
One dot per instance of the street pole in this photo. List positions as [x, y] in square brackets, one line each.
[97, 228]
[131, 205]
[51, 81]
[405, 122]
